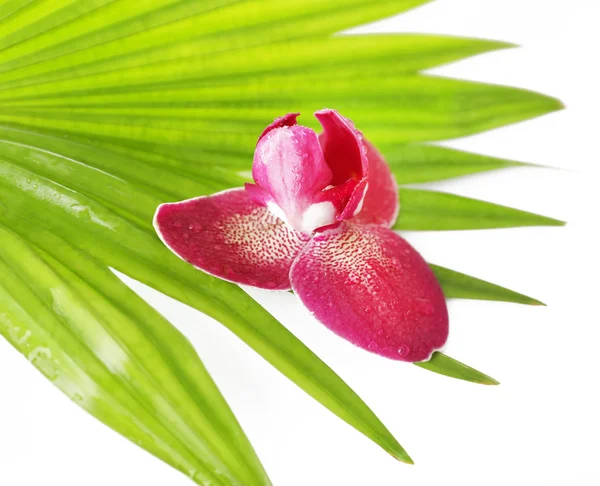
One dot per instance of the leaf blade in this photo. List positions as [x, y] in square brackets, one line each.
[457, 285]
[147, 27]
[447, 366]
[424, 210]
[418, 163]
[395, 53]
[401, 109]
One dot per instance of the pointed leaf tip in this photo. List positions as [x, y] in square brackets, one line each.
[415, 163]
[447, 366]
[399, 453]
[458, 285]
[426, 210]
[407, 460]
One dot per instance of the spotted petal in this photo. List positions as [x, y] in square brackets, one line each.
[368, 285]
[380, 205]
[231, 237]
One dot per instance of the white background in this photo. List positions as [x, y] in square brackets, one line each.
[540, 427]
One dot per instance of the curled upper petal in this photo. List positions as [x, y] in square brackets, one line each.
[343, 147]
[368, 285]
[346, 156]
[231, 237]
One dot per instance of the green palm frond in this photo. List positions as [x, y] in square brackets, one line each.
[110, 107]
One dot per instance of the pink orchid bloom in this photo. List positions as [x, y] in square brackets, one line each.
[318, 221]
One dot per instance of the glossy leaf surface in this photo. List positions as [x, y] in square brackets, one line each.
[116, 357]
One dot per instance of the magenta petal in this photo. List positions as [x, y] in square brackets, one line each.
[356, 200]
[229, 236]
[289, 165]
[340, 195]
[380, 205]
[368, 285]
[258, 194]
[343, 147]
[288, 120]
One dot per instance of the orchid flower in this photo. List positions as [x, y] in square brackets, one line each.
[317, 221]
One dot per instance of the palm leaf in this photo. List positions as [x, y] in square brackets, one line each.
[113, 107]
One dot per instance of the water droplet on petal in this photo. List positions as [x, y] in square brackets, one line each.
[403, 350]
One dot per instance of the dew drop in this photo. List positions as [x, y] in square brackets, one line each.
[373, 345]
[403, 350]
